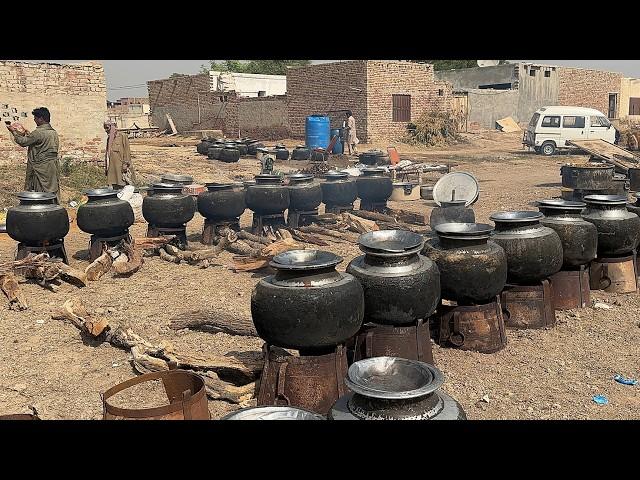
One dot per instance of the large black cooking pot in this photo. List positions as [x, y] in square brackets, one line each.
[374, 185]
[618, 229]
[307, 304]
[105, 214]
[242, 147]
[579, 238]
[304, 193]
[472, 268]
[301, 152]
[282, 153]
[252, 148]
[534, 252]
[373, 157]
[588, 176]
[400, 285]
[268, 196]
[338, 189]
[222, 201]
[203, 147]
[168, 207]
[229, 154]
[214, 151]
[38, 219]
[453, 211]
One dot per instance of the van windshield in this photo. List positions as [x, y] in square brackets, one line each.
[534, 120]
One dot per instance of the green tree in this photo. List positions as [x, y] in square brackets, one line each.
[269, 67]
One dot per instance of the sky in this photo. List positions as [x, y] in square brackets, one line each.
[127, 78]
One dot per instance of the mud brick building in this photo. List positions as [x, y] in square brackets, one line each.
[75, 95]
[384, 96]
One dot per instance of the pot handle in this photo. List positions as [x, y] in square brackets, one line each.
[604, 276]
[456, 337]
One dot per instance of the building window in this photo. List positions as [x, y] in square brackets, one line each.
[401, 108]
[634, 106]
[573, 122]
[532, 72]
[262, 93]
[547, 73]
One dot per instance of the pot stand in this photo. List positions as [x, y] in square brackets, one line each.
[480, 328]
[179, 232]
[299, 218]
[528, 306]
[379, 207]
[97, 245]
[614, 274]
[411, 342]
[338, 209]
[210, 230]
[570, 288]
[56, 250]
[312, 383]
[261, 221]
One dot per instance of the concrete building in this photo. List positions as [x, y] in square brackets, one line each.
[248, 84]
[75, 95]
[518, 90]
[384, 96]
[630, 100]
[130, 112]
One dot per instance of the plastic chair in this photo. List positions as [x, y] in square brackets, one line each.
[394, 156]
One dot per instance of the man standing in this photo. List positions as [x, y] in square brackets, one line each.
[42, 153]
[118, 167]
[352, 139]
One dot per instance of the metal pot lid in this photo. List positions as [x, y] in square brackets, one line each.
[100, 192]
[561, 204]
[300, 177]
[172, 178]
[456, 186]
[265, 178]
[167, 186]
[222, 186]
[390, 241]
[301, 146]
[373, 171]
[305, 260]
[280, 146]
[463, 230]
[272, 413]
[335, 175]
[454, 203]
[36, 195]
[518, 216]
[393, 378]
[606, 199]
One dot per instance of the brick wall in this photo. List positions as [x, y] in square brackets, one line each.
[319, 89]
[384, 79]
[580, 87]
[264, 117]
[75, 95]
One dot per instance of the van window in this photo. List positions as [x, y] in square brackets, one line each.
[599, 122]
[573, 122]
[551, 121]
[604, 121]
[534, 120]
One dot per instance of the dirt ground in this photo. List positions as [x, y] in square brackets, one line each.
[541, 374]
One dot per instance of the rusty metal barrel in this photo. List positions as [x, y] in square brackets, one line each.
[185, 392]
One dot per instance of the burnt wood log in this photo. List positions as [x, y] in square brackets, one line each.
[216, 320]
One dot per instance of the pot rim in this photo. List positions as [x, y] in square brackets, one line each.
[214, 186]
[29, 195]
[429, 378]
[100, 192]
[336, 175]
[300, 177]
[373, 242]
[453, 203]
[301, 260]
[465, 231]
[175, 178]
[557, 204]
[266, 179]
[372, 171]
[167, 187]
[516, 216]
[605, 200]
[273, 413]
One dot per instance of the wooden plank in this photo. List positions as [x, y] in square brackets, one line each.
[603, 150]
[171, 124]
[508, 125]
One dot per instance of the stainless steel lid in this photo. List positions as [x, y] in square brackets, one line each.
[464, 231]
[556, 204]
[36, 195]
[393, 378]
[211, 186]
[100, 192]
[516, 216]
[390, 241]
[456, 186]
[300, 178]
[335, 175]
[605, 199]
[305, 260]
[273, 413]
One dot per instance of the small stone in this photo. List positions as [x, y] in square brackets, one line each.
[618, 303]
[19, 387]
[602, 306]
[114, 365]
[556, 405]
[530, 410]
[509, 393]
[111, 310]
[39, 322]
[99, 311]
[485, 399]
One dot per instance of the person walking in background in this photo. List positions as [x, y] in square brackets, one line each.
[43, 170]
[352, 139]
[117, 158]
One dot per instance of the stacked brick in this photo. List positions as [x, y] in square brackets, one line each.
[581, 87]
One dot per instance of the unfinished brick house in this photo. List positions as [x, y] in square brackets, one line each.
[384, 96]
[518, 90]
[75, 94]
[194, 103]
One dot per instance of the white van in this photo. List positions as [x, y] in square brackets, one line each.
[551, 127]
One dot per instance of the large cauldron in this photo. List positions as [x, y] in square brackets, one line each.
[307, 304]
[222, 201]
[472, 268]
[203, 147]
[105, 214]
[453, 211]
[390, 388]
[339, 189]
[374, 186]
[588, 176]
[400, 285]
[268, 196]
[373, 157]
[579, 238]
[38, 219]
[229, 154]
[178, 179]
[618, 229]
[534, 252]
[282, 153]
[301, 152]
[304, 193]
[168, 207]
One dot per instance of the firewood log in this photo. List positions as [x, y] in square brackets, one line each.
[10, 286]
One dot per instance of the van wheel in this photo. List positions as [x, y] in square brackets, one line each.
[548, 148]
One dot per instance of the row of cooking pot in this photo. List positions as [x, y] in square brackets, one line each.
[309, 305]
[232, 150]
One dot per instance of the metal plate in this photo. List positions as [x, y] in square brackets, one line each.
[518, 216]
[463, 230]
[465, 185]
[562, 204]
[606, 199]
[273, 413]
[392, 241]
[393, 378]
[100, 192]
[305, 260]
